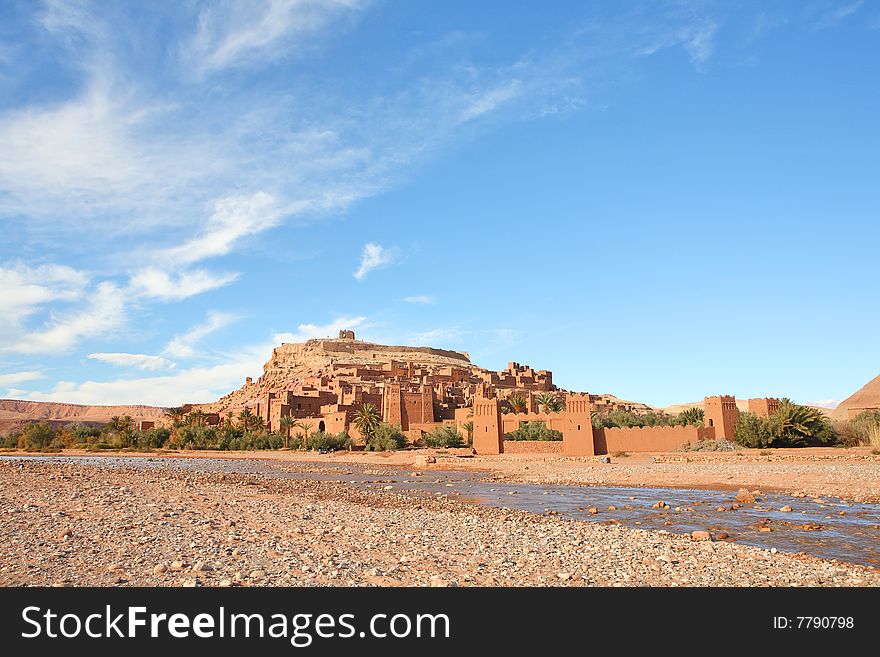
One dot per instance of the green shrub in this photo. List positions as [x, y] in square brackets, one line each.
[386, 438]
[533, 431]
[152, 438]
[446, 436]
[710, 446]
[327, 442]
[628, 419]
[753, 431]
[37, 436]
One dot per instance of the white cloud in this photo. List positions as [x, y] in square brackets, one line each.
[182, 346]
[233, 218]
[158, 284]
[310, 331]
[12, 378]
[439, 336]
[374, 256]
[103, 314]
[421, 299]
[196, 385]
[26, 288]
[138, 361]
[238, 33]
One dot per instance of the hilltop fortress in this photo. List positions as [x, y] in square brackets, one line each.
[324, 382]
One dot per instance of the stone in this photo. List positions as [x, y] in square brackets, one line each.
[743, 496]
[114, 567]
[160, 569]
[177, 565]
[257, 574]
[65, 535]
[202, 567]
[225, 583]
[786, 509]
[700, 535]
[592, 510]
[438, 582]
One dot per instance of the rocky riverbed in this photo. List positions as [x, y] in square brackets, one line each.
[74, 524]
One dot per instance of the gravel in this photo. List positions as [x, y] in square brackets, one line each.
[77, 525]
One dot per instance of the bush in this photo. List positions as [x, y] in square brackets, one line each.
[863, 429]
[446, 436]
[152, 438]
[753, 431]
[710, 446]
[38, 436]
[628, 419]
[533, 431]
[327, 442]
[386, 438]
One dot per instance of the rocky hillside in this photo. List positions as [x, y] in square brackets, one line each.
[292, 362]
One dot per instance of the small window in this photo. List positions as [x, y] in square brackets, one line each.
[711, 423]
[579, 427]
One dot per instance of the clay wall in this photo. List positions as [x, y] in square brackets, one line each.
[648, 439]
[763, 407]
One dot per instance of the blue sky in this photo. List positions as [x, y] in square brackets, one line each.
[660, 200]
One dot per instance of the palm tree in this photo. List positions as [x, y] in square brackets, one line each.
[176, 415]
[797, 425]
[469, 427]
[367, 419]
[305, 426]
[246, 418]
[545, 401]
[196, 418]
[695, 416]
[120, 423]
[227, 421]
[286, 424]
[518, 403]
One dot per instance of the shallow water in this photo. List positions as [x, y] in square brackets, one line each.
[812, 527]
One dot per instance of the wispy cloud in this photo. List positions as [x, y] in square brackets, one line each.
[373, 257]
[15, 378]
[421, 299]
[488, 100]
[838, 14]
[233, 34]
[439, 336]
[309, 331]
[103, 314]
[183, 346]
[164, 286]
[233, 218]
[136, 361]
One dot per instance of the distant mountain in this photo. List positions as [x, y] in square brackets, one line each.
[866, 397]
[14, 413]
